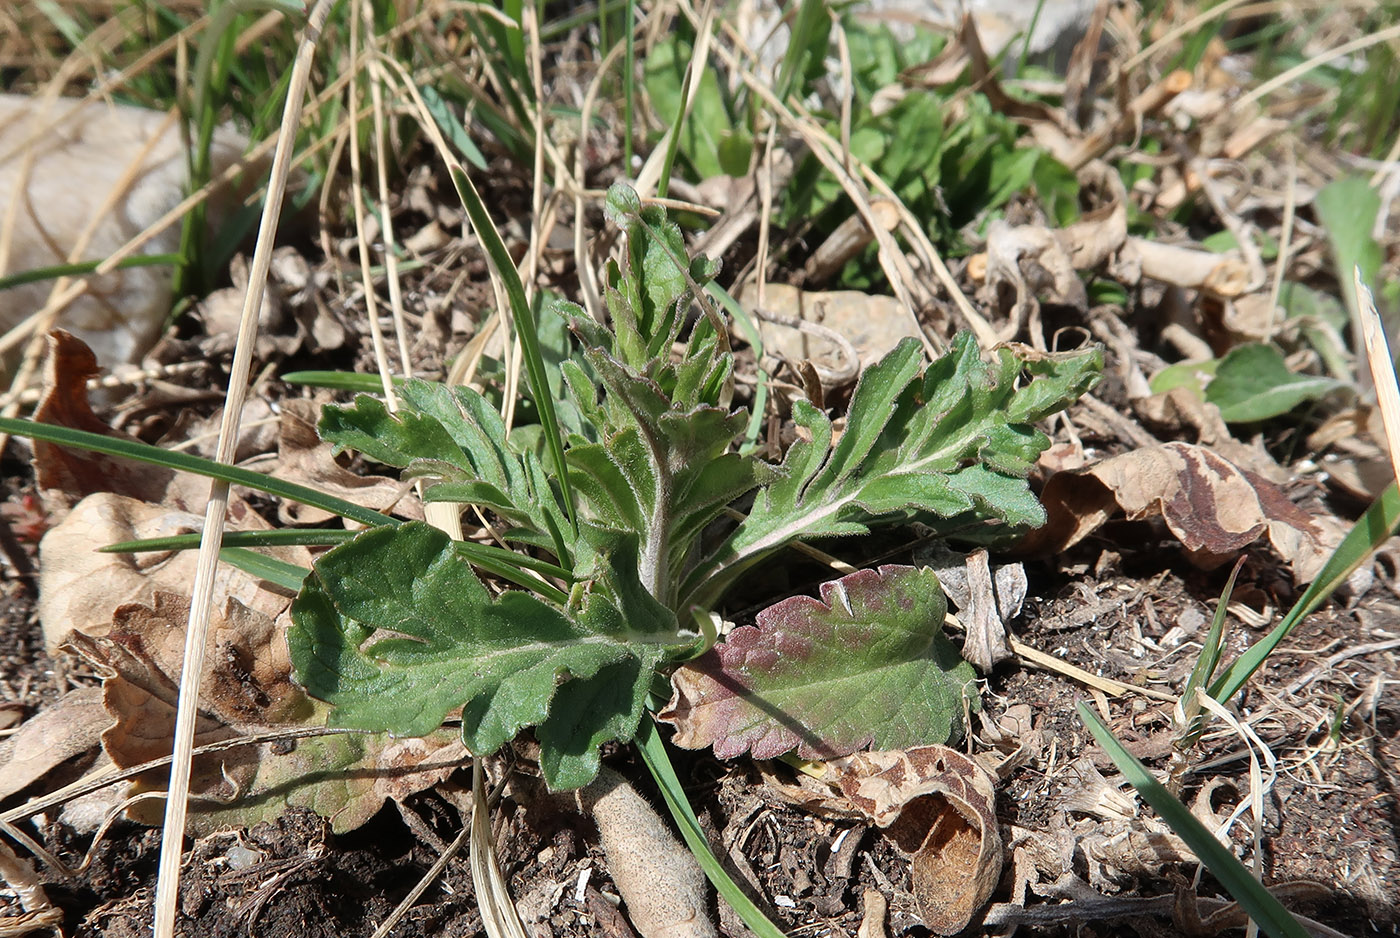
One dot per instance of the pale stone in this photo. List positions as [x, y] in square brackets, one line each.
[113, 168]
[872, 324]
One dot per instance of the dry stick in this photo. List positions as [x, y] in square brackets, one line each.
[1290, 204]
[763, 178]
[202, 598]
[357, 203]
[433, 873]
[1108, 685]
[914, 233]
[848, 90]
[1176, 33]
[892, 260]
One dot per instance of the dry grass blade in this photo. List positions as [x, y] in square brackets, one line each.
[202, 591]
[498, 915]
[1322, 58]
[357, 202]
[1382, 369]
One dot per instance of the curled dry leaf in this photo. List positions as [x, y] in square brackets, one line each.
[246, 688]
[985, 599]
[939, 806]
[64, 475]
[1212, 506]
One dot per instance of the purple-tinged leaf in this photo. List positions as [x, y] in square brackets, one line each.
[867, 664]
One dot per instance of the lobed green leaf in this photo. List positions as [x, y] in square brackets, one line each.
[954, 441]
[396, 632]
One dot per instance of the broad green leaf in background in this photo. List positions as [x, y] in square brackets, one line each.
[1252, 382]
[1323, 322]
[956, 439]
[1347, 210]
[510, 661]
[1192, 375]
[710, 119]
[867, 665]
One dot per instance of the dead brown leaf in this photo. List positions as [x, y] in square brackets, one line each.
[1212, 506]
[63, 474]
[307, 459]
[68, 728]
[246, 688]
[940, 806]
[80, 588]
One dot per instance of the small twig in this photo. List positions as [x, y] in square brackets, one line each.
[1285, 239]
[1109, 686]
[432, 874]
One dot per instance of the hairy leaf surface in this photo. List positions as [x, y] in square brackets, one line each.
[455, 438]
[396, 632]
[867, 664]
[955, 440]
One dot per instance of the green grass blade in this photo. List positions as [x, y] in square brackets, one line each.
[286, 575]
[1206, 664]
[37, 274]
[748, 327]
[506, 564]
[524, 319]
[810, 17]
[451, 127]
[653, 751]
[339, 381]
[287, 537]
[1257, 902]
[1371, 530]
[184, 462]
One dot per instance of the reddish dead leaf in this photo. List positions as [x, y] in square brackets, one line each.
[65, 475]
[939, 806]
[1212, 506]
